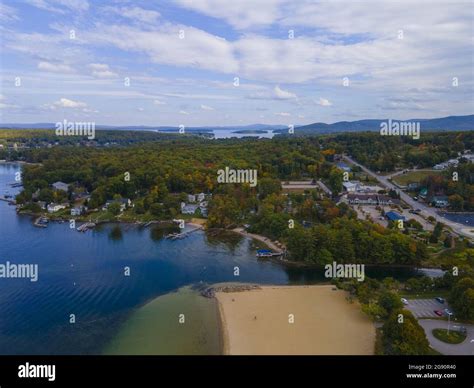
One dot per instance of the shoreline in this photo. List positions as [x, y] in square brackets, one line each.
[271, 244]
[256, 322]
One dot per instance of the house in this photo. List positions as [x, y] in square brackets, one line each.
[440, 201]
[55, 207]
[344, 167]
[350, 187]
[191, 198]
[78, 210]
[413, 186]
[368, 188]
[362, 199]
[60, 186]
[200, 197]
[423, 193]
[41, 204]
[394, 216]
[124, 203]
[203, 210]
[188, 209]
[386, 200]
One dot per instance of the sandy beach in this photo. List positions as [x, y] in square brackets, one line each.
[271, 244]
[324, 322]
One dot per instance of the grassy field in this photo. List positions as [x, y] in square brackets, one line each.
[454, 337]
[414, 176]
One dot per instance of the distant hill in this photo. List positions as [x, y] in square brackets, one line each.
[450, 123]
[252, 127]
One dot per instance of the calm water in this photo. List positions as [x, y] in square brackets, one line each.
[83, 274]
[461, 218]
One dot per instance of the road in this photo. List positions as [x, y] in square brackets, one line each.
[464, 348]
[425, 210]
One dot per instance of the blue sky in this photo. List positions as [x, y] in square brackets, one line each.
[70, 59]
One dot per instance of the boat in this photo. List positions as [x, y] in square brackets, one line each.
[261, 253]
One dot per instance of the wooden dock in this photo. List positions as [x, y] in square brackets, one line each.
[41, 222]
[179, 236]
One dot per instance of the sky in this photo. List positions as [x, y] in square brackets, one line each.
[221, 62]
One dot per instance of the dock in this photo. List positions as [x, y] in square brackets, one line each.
[11, 201]
[179, 236]
[16, 184]
[41, 222]
[85, 227]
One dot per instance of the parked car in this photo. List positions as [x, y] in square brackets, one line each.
[448, 312]
[439, 313]
[439, 299]
[415, 198]
[404, 301]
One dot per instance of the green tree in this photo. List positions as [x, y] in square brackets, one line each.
[404, 337]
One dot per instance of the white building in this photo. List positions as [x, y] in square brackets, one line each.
[350, 187]
[55, 207]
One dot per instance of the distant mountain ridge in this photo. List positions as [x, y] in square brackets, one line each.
[450, 123]
[149, 127]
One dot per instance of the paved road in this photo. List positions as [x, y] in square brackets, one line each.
[464, 348]
[425, 210]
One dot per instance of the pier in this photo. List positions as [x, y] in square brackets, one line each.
[179, 236]
[41, 222]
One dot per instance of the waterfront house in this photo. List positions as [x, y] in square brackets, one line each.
[55, 207]
[60, 186]
[42, 205]
[124, 203]
[78, 210]
[188, 208]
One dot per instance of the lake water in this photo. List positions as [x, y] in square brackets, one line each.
[466, 219]
[83, 274]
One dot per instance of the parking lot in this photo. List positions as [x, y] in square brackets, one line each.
[424, 308]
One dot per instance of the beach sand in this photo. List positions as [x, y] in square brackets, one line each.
[257, 322]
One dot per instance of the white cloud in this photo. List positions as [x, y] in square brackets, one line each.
[102, 70]
[242, 14]
[135, 13]
[198, 49]
[183, 112]
[60, 6]
[206, 107]
[323, 102]
[55, 67]
[283, 114]
[283, 94]
[159, 102]
[7, 13]
[67, 103]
